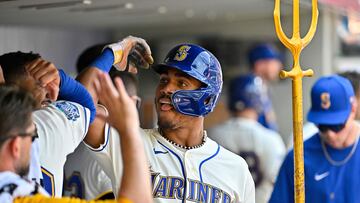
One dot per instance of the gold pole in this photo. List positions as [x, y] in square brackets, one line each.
[296, 44]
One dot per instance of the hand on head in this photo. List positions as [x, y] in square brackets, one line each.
[47, 75]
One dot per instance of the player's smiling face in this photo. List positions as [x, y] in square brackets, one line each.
[172, 80]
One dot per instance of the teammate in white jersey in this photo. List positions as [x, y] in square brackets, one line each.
[17, 130]
[263, 149]
[186, 165]
[88, 180]
[61, 125]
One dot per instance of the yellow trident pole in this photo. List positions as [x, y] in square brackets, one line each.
[296, 44]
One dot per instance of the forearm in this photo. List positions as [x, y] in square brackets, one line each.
[72, 90]
[135, 183]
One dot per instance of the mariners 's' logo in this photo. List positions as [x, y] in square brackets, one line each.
[325, 100]
[182, 53]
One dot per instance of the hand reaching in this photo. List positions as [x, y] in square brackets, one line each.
[123, 114]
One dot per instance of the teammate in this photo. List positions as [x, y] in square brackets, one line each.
[88, 180]
[332, 156]
[17, 131]
[310, 129]
[265, 62]
[185, 165]
[242, 134]
[61, 125]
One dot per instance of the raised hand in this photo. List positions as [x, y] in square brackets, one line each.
[123, 114]
[47, 75]
[131, 53]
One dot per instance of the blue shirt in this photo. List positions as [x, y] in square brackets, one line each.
[324, 182]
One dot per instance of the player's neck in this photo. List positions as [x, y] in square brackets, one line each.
[248, 114]
[6, 164]
[190, 135]
[354, 132]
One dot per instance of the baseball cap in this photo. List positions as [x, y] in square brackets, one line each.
[263, 51]
[331, 100]
[246, 91]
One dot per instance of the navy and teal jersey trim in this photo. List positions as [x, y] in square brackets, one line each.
[48, 181]
[105, 195]
[182, 168]
[106, 142]
[207, 159]
[86, 123]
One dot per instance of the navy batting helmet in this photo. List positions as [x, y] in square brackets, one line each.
[247, 91]
[202, 65]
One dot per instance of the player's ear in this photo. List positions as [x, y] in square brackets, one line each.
[14, 147]
[354, 104]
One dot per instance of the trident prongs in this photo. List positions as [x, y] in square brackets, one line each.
[296, 44]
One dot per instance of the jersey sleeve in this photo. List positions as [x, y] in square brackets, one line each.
[275, 152]
[249, 189]
[284, 185]
[43, 199]
[61, 127]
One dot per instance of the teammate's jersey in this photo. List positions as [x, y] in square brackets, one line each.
[206, 174]
[12, 186]
[61, 127]
[324, 182]
[262, 149]
[35, 167]
[84, 177]
[14, 189]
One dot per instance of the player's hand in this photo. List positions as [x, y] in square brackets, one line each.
[47, 75]
[131, 53]
[2, 79]
[122, 112]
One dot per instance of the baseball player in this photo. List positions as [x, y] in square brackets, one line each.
[88, 180]
[332, 156]
[61, 125]
[18, 130]
[185, 164]
[242, 134]
[265, 62]
[311, 129]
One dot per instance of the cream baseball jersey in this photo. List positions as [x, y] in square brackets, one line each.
[206, 174]
[61, 126]
[209, 173]
[84, 177]
[263, 150]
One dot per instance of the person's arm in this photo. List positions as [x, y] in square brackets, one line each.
[135, 183]
[59, 84]
[130, 48]
[117, 54]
